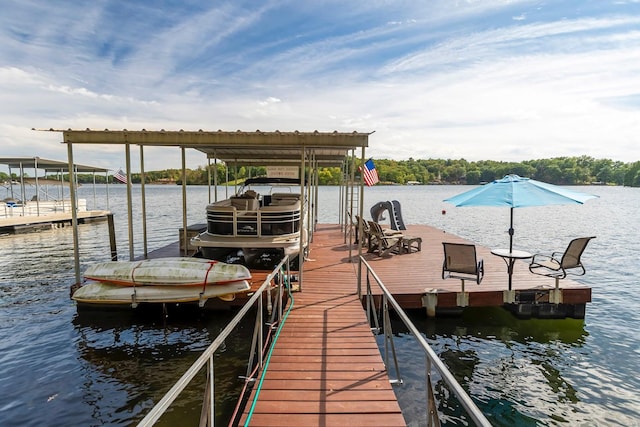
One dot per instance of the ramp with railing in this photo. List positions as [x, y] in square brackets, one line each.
[323, 365]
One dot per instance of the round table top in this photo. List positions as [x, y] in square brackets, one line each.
[515, 254]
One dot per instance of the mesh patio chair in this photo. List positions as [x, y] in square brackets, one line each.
[560, 264]
[460, 262]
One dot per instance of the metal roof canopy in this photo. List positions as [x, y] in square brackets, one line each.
[47, 165]
[239, 147]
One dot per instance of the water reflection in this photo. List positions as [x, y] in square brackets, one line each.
[496, 323]
[59, 367]
[515, 369]
[130, 359]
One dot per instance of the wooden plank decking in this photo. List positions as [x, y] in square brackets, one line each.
[326, 369]
[409, 276]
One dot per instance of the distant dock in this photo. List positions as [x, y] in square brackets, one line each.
[35, 202]
[29, 223]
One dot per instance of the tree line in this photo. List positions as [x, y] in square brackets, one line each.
[559, 170]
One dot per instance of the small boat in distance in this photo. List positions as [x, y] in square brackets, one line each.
[254, 229]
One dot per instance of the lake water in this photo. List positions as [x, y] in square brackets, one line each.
[61, 367]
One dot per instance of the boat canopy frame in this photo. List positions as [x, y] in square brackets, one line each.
[306, 150]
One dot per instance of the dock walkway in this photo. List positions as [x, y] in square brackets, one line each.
[326, 368]
[22, 224]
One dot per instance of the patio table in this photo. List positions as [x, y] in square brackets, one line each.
[510, 258]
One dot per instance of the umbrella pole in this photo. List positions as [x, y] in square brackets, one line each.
[511, 232]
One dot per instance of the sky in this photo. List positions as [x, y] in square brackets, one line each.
[508, 80]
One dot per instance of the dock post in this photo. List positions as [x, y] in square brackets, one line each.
[555, 296]
[430, 301]
[112, 237]
[509, 296]
[462, 299]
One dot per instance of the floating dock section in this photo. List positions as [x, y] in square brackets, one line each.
[415, 278]
[326, 368]
[24, 224]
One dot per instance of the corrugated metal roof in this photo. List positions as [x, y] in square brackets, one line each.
[239, 147]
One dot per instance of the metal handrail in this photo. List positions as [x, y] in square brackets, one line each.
[207, 357]
[432, 359]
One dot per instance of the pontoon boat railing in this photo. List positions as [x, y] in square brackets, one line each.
[207, 357]
[226, 222]
[432, 361]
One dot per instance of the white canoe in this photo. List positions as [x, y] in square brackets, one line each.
[170, 271]
[107, 293]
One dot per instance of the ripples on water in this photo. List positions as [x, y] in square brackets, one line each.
[59, 367]
[538, 372]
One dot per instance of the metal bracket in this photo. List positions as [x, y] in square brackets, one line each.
[509, 296]
[555, 296]
[202, 301]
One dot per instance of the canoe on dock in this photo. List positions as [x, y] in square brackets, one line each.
[171, 271]
[107, 293]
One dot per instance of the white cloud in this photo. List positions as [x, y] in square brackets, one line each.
[471, 81]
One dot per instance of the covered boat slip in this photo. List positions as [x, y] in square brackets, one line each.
[33, 202]
[306, 151]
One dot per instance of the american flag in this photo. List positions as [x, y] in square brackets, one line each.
[369, 173]
[120, 176]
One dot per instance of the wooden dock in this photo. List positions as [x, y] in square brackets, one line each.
[24, 224]
[413, 278]
[326, 368]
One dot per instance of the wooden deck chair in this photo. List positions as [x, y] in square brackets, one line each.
[559, 264]
[352, 225]
[366, 231]
[460, 262]
[381, 242]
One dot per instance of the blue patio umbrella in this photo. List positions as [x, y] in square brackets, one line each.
[514, 191]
